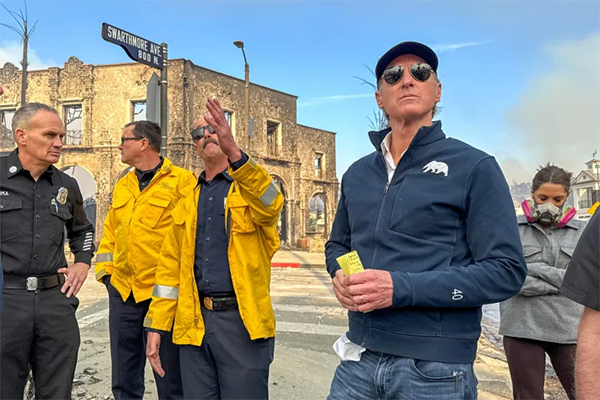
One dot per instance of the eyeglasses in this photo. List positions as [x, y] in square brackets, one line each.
[420, 71]
[198, 133]
[124, 139]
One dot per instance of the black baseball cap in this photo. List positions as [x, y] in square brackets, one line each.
[415, 48]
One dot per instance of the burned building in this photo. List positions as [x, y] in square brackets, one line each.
[96, 101]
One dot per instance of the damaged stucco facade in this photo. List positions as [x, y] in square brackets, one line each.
[300, 158]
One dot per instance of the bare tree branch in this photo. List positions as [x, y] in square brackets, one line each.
[371, 124]
[24, 33]
[12, 14]
[370, 70]
[365, 82]
[379, 120]
[33, 28]
[15, 15]
[13, 28]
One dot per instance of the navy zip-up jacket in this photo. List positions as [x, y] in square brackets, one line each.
[445, 228]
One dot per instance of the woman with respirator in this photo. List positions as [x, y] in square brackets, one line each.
[539, 320]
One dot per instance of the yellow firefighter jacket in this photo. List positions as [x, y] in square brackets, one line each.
[136, 226]
[251, 213]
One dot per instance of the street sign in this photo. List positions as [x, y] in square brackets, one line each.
[154, 55]
[137, 48]
[153, 99]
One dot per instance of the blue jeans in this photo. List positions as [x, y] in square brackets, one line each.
[384, 376]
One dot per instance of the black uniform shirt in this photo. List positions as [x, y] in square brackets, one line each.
[582, 279]
[145, 177]
[211, 266]
[33, 217]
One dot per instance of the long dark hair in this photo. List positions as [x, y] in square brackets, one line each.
[551, 174]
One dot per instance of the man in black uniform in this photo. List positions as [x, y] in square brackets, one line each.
[582, 285]
[37, 202]
[1, 275]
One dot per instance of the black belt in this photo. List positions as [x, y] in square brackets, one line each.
[219, 303]
[33, 283]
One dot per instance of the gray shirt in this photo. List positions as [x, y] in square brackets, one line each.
[539, 312]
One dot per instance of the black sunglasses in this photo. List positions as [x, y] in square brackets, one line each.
[198, 133]
[420, 71]
[124, 139]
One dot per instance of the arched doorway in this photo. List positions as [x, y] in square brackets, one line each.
[282, 224]
[7, 140]
[87, 186]
[317, 213]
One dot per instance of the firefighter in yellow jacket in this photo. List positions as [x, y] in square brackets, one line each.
[213, 279]
[134, 230]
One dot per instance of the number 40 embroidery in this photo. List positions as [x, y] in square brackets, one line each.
[457, 294]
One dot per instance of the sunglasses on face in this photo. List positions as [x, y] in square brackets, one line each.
[419, 71]
[198, 133]
[124, 139]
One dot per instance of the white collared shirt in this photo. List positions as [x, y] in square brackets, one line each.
[387, 156]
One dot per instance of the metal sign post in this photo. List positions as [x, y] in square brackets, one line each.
[164, 104]
[153, 99]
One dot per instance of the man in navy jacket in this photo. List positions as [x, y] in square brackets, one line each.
[434, 225]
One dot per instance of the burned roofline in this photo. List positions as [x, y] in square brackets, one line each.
[316, 129]
[233, 77]
[172, 59]
[131, 64]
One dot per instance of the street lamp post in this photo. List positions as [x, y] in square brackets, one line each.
[240, 45]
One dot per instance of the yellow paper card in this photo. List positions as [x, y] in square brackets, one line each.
[350, 263]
